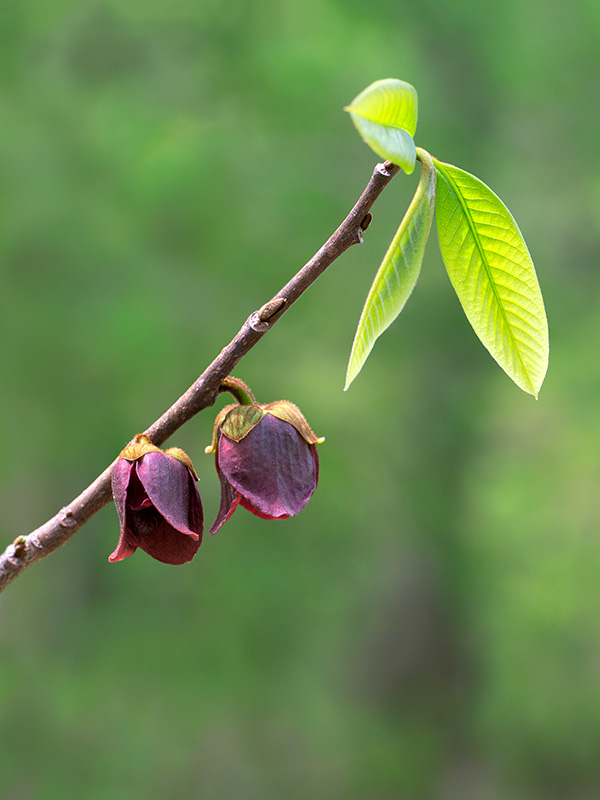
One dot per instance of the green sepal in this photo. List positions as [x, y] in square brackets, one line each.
[138, 448]
[288, 412]
[240, 421]
[181, 455]
[218, 421]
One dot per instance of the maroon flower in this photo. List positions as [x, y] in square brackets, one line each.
[157, 502]
[267, 460]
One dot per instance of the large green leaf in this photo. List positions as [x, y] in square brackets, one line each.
[493, 275]
[385, 115]
[398, 272]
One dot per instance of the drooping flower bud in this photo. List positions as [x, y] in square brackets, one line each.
[266, 458]
[157, 502]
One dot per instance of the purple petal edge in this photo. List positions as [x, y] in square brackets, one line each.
[229, 501]
[172, 490]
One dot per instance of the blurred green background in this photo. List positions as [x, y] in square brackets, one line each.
[429, 626]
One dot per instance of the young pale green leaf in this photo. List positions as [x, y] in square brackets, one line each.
[493, 275]
[398, 272]
[385, 115]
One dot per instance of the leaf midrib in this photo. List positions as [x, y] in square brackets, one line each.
[487, 268]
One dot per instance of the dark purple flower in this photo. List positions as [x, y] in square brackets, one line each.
[157, 502]
[266, 458]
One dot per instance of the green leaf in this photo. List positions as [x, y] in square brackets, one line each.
[385, 115]
[493, 275]
[398, 272]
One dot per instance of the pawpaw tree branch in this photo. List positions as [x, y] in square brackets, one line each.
[26, 550]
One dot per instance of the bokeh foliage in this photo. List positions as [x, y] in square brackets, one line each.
[428, 626]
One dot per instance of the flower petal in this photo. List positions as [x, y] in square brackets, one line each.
[229, 501]
[124, 548]
[121, 472]
[120, 477]
[273, 468]
[169, 545]
[173, 492]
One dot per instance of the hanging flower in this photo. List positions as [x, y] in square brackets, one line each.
[266, 458]
[157, 502]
